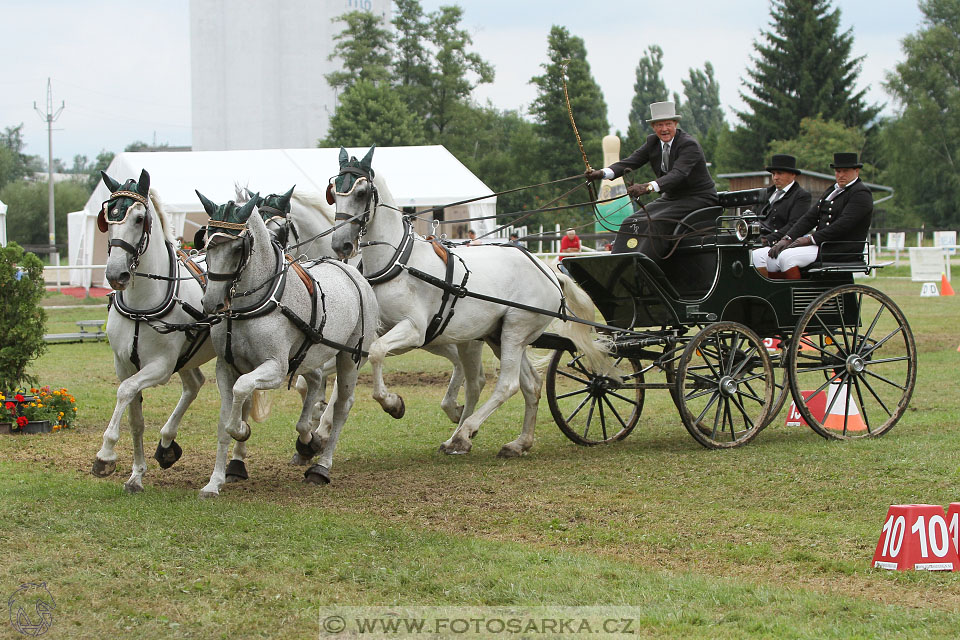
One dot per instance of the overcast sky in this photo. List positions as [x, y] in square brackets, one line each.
[123, 67]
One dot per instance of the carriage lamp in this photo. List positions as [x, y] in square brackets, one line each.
[746, 230]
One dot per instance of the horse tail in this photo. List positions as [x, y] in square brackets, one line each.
[594, 348]
[260, 405]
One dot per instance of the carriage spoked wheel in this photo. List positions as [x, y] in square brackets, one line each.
[591, 407]
[853, 363]
[724, 385]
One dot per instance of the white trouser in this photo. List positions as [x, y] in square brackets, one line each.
[788, 258]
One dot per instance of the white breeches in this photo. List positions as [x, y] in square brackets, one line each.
[788, 258]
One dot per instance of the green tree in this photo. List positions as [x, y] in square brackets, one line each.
[369, 114]
[498, 146]
[803, 68]
[14, 164]
[364, 49]
[817, 141]
[702, 114]
[648, 88]
[104, 158]
[28, 213]
[455, 72]
[926, 86]
[411, 67]
[557, 148]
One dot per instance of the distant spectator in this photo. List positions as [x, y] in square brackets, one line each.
[570, 243]
[472, 238]
[515, 240]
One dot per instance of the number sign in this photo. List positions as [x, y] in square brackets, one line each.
[916, 536]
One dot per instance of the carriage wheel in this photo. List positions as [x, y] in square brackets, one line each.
[591, 408]
[724, 386]
[858, 375]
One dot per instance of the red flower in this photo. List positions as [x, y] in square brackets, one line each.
[9, 406]
[22, 421]
[18, 397]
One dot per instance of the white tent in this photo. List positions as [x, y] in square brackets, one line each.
[419, 177]
[3, 224]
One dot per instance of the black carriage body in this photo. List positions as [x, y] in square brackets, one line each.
[708, 282]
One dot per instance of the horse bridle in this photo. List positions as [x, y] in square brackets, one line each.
[103, 222]
[246, 250]
[373, 200]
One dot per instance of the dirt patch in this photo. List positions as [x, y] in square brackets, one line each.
[407, 378]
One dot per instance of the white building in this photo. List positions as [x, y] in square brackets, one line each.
[257, 70]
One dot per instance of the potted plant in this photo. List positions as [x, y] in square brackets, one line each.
[42, 412]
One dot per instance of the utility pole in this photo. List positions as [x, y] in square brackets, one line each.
[50, 117]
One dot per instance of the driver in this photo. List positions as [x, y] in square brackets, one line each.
[683, 182]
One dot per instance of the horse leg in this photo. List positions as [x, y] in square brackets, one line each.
[341, 400]
[168, 451]
[471, 354]
[530, 387]
[269, 375]
[132, 383]
[449, 403]
[134, 483]
[236, 470]
[508, 382]
[402, 337]
[309, 443]
[226, 376]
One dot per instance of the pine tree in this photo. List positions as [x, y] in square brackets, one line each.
[648, 88]
[412, 63]
[803, 68]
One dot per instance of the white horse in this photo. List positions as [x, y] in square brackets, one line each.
[157, 299]
[415, 311]
[301, 221]
[278, 318]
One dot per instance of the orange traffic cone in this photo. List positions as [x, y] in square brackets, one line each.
[945, 288]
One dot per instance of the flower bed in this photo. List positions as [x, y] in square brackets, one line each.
[58, 407]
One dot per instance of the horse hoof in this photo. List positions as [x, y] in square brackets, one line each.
[311, 449]
[452, 450]
[129, 487]
[299, 460]
[506, 451]
[103, 468]
[205, 495]
[317, 474]
[236, 471]
[243, 433]
[167, 456]
[397, 412]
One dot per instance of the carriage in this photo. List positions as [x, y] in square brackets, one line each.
[729, 344]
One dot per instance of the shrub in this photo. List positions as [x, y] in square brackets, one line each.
[21, 316]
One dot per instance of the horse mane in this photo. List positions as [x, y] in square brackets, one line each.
[164, 221]
[386, 196]
[315, 201]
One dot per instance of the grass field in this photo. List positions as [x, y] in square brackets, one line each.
[773, 539]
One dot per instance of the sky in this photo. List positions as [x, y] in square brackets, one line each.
[122, 68]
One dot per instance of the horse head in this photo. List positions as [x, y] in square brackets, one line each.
[355, 196]
[275, 211]
[231, 234]
[126, 219]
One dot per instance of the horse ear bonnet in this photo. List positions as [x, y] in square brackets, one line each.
[116, 206]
